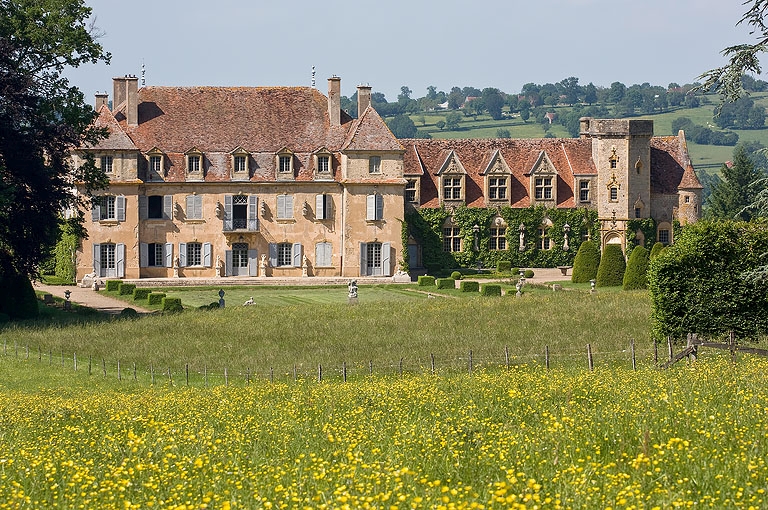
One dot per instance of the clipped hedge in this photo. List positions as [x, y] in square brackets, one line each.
[528, 273]
[113, 285]
[610, 273]
[445, 283]
[141, 294]
[126, 289]
[656, 250]
[155, 298]
[466, 286]
[503, 266]
[456, 275]
[172, 304]
[586, 263]
[515, 271]
[636, 275]
[426, 281]
[490, 289]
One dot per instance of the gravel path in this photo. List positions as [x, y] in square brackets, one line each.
[90, 298]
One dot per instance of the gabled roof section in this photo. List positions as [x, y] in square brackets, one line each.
[370, 133]
[671, 166]
[543, 165]
[496, 164]
[412, 163]
[116, 139]
[451, 165]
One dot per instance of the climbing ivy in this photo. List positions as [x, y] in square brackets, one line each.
[64, 253]
[426, 228]
[645, 225]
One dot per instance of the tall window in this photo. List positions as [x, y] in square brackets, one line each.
[497, 188]
[584, 191]
[374, 210]
[194, 254]
[285, 254]
[155, 207]
[284, 207]
[664, 236]
[155, 255]
[614, 191]
[452, 188]
[410, 191]
[107, 208]
[194, 207]
[106, 164]
[543, 188]
[193, 164]
[239, 162]
[373, 258]
[107, 256]
[239, 211]
[545, 242]
[240, 255]
[323, 255]
[638, 212]
[498, 238]
[613, 162]
[451, 239]
[374, 165]
[323, 164]
[285, 164]
[155, 164]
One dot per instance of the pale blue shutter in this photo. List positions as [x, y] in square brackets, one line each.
[143, 254]
[296, 253]
[228, 263]
[120, 208]
[168, 254]
[379, 207]
[288, 206]
[320, 207]
[253, 209]
[273, 254]
[97, 259]
[363, 259]
[253, 264]
[182, 254]
[386, 268]
[323, 254]
[190, 207]
[198, 206]
[168, 207]
[120, 260]
[96, 211]
[207, 255]
[228, 225]
[370, 209]
[280, 207]
[143, 207]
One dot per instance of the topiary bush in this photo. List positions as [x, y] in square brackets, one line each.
[141, 294]
[528, 273]
[490, 289]
[456, 275]
[469, 286]
[128, 313]
[426, 281]
[126, 289]
[172, 305]
[155, 298]
[515, 271]
[610, 273]
[445, 283]
[636, 275]
[113, 285]
[503, 266]
[656, 250]
[586, 263]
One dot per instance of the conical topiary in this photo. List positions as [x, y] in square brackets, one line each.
[636, 275]
[610, 273]
[586, 263]
[656, 249]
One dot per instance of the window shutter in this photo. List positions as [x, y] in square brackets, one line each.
[190, 207]
[288, 206]
[167, 207]
[143, 254]
[323, 254]
[120, 260]
[182, 254]
[253, 209]
[228, 225]
[363, 259]
[273, 254]
[168, 254]
[296, 252]
[379, 206]
[143, 207]
[96, 211]
[228, 263]
[370, 210]
[253, 264]
[97, 259]
[280, 206]
[198, 203]
[386, 268]
[207, 255]
[320, 207]
[120, 208]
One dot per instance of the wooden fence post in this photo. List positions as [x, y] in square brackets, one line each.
[104, 367]
[506, 356]
[732, 345]
[271, 375]
[319, 373]
[74, 357]
[152, 373]
[546, 356]
[656, 353]
[186, 370]
[632, 348]
[134, 371]
[370, 367]
[470, 362]
[669, 347]
[90, 363]
[119, 375]
[432, 362]
[39, 354]
[401, 367]
[344, 370]
[589, 357]
[226, 377]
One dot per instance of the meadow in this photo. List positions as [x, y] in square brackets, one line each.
[501, 436]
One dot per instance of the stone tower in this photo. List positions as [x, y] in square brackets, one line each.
[621, 151]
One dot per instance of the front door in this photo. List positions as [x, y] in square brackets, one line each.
[240, 259]
[108, 261]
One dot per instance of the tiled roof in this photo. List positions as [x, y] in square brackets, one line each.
[117, 139]
[370, 133]
[570, 156]
[671, 166]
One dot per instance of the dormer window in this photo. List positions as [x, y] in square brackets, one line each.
[155, 165]
[543, 188]
[239, 163]
[452, 180]
[543, 180]
[194, 164]
[452, 187]
[285, 164]
[497, 179]
[323, 164]
[412, 191]
[497, 188]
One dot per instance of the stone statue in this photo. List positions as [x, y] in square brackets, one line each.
[352, 286]
[218, 266]
[176, 264]
[304, 266]
[522, 237]
[263, 265]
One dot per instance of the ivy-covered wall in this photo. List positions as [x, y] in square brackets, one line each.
[426, 228]
[647, 226]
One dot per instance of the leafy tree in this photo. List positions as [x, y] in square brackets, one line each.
[440, 124]
[525, 111]
[586, 263]
[432, 93]
[405, 94]
[679, 123]
[456, 98]
[590, 94]
[656, 250]
[618, 90]
[636, 275]
[493, 101]
[571, 89]
[741, 114]
[503, 133]
[43, 118]
[610, 273]
[402, 126]
[732, 198]
[452, 121]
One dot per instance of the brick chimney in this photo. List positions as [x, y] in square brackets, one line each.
[363, 99]
[334, 100]
[126, 97]
[101, 100]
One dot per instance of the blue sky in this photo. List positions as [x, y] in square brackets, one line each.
[486, 43]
